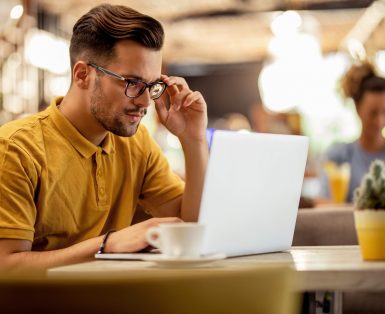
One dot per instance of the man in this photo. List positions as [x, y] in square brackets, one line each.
[76, 171]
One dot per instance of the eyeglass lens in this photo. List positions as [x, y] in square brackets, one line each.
[136, 88]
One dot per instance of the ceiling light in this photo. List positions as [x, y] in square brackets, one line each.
[47, 51]
[16, 12]
[286, 23]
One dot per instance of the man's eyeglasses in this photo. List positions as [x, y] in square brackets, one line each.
[135, 87]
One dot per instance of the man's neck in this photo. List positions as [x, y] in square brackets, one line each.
[77, 113]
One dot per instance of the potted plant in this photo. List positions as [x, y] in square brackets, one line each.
[369, 200]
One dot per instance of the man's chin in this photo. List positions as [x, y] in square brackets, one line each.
[126, 132]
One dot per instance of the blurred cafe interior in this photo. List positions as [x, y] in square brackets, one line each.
[265, 66]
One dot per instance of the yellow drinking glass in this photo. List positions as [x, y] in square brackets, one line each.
[338, 177]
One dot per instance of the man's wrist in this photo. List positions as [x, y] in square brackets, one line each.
[103, 244]
[188, 141]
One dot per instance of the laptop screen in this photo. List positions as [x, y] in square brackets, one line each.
[251, 192]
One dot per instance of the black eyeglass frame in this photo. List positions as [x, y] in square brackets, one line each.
[132, 80]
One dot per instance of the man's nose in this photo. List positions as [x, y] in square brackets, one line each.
[144, 100]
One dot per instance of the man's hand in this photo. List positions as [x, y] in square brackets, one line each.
[133, 238]
[16, 255]
[187, 115]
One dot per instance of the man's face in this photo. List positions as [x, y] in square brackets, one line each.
[109, 105]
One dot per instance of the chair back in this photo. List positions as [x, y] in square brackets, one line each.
[265, 290]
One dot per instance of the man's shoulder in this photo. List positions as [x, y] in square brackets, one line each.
[25, 128]
[25, 132]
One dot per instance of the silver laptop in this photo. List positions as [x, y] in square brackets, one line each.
[251, 193]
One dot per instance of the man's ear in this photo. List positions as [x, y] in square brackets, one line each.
[81, 75]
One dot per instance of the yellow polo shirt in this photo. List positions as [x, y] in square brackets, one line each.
[58, 189]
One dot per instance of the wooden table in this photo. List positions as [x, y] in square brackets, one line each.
[319, 268]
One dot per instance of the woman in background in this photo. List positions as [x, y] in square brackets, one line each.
[367, 89]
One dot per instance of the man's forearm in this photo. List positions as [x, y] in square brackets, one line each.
[196, 157]
[39, 261]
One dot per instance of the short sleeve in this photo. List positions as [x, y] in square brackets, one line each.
[17, 185]
[160, 183]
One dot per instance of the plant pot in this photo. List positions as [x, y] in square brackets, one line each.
[370, 227]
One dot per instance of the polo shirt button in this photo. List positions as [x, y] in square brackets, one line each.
[101, 190]
[99, 173]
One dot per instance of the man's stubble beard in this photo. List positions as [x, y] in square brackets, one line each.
[108, 120]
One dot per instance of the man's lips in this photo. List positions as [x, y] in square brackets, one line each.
[135, 116]
[136, 113]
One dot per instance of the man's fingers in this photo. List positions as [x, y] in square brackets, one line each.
[175, 84]
[191, 98]
[179, 99]
[157, 221]
[174, 80]
[172, 90]
[161, 109]
[180, 93]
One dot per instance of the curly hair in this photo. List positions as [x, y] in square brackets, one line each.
[359, 79]
[96, 32]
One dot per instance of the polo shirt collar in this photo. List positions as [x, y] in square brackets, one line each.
[78, 141]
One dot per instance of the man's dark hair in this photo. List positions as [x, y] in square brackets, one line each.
[96, 33]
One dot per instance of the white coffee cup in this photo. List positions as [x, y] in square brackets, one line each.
[177, 239]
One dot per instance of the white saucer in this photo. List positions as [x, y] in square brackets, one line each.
[167, 261]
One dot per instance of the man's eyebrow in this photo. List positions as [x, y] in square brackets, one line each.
[130, 76]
